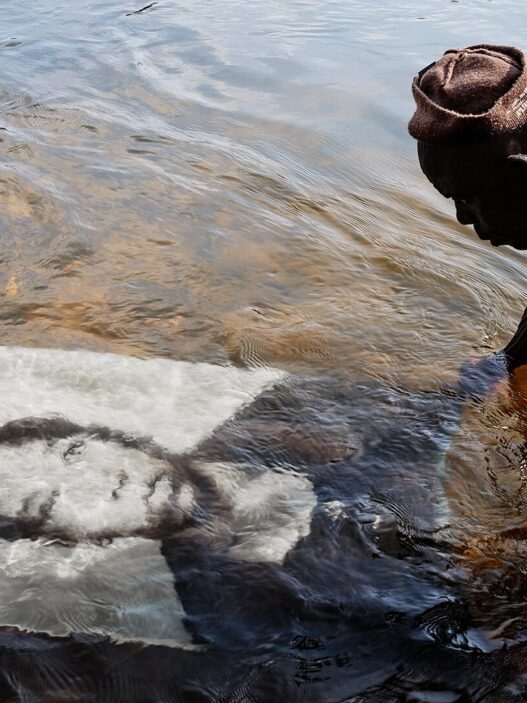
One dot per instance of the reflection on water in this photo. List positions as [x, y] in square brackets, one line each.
[232, 183]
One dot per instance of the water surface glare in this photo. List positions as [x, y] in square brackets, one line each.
[233, 465]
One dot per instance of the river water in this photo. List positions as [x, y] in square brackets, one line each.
[231, 185]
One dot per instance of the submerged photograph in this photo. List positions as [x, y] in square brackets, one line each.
[263, 361]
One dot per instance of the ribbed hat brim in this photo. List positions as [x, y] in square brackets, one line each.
[436, 124]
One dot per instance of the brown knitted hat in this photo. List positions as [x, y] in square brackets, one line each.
[470, 94]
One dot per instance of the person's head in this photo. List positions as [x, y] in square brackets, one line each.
[472, 139]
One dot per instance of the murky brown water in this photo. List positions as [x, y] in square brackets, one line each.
[226, 183]
[232, 182]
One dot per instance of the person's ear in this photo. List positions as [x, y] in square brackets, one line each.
[519, 161]
[518, 165]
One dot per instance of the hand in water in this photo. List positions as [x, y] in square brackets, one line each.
[481, 377]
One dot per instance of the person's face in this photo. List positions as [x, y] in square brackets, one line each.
[488, 184]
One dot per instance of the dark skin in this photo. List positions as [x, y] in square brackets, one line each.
[488, 183]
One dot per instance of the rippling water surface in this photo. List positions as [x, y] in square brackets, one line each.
[299, 513]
